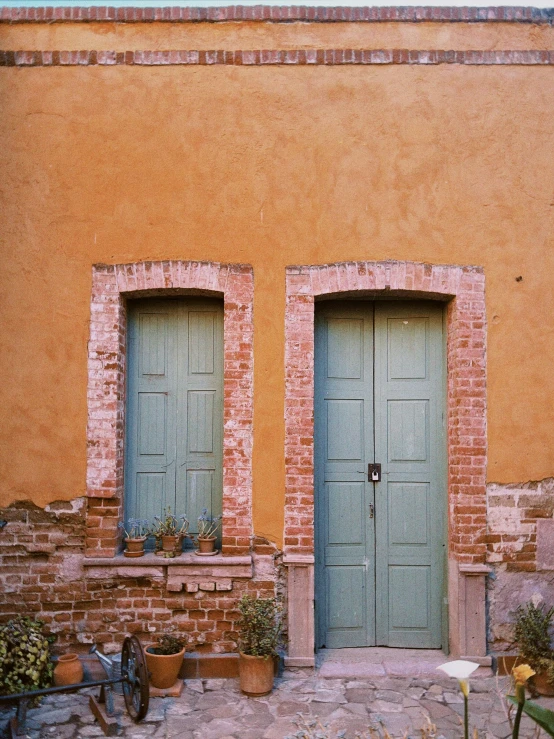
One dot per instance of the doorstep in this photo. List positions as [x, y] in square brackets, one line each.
[371, 662]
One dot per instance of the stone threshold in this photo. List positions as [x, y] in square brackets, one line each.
[186, 559]
[372, 662]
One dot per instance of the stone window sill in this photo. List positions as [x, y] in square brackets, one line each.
[189, 571]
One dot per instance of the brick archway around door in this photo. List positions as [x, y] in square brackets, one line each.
[112, 285]
[462, 288]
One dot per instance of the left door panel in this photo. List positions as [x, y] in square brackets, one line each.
[174, 428]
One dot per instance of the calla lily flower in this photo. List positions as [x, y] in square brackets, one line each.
[461, 669]
[522, 673]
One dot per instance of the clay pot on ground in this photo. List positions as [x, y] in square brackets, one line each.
[69, 670]
[134, 547]
[256, 674]
[206, 545]
[540, 684]
[163, 668]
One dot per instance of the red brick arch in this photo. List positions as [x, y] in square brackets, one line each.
[111, 286]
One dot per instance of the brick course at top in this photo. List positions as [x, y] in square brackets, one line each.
[464, 287]
[277, 13]
[111, 285]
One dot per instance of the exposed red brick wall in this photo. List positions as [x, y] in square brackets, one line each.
[276, 13]
[512, 515]
[111, 285]
[464, 287]
[44, 573]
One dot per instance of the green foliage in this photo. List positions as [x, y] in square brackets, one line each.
[25, 662]
[260, 626]
[541, 716]
[532, 635]
[168, 644]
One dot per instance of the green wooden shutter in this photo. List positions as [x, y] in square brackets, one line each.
[174, 408]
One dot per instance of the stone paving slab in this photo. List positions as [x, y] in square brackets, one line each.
[215, 709]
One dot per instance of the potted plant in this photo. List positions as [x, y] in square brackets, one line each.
[206, 537]
[136, 532]
[260, 629]
[164, 660]
[169, 534]
[532, 636]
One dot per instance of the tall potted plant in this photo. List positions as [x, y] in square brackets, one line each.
[533, 637]
[259, 629]
[164, 660]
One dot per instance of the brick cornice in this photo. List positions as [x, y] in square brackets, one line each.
[277, 14]
[291, 57]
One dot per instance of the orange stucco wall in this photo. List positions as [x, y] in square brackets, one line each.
[270, 166]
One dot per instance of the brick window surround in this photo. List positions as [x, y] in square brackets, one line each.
[462, 289]
[112, 285]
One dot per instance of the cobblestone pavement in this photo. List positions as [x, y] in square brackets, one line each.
[215, 709]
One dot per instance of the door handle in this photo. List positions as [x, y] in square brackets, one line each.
[371, 510]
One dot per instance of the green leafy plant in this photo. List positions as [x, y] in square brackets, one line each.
[168, 525]
[532, 635]
[25, 662]
[168, 644]
[259, 625]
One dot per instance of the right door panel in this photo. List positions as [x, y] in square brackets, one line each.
[409, 499]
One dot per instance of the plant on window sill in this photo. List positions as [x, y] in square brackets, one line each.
[207, 533]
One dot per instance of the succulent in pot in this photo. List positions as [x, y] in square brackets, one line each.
[259, 635]
[207, 533]
[532, 634]
[170, 532]
[164, 660]
[136, 532]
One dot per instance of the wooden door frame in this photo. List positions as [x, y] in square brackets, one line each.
[462, 289]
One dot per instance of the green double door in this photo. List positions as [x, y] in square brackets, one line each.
[174, 422]
[380, 534]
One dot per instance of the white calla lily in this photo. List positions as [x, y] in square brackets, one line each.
[459, 668]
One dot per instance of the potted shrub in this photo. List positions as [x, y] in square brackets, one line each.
[206, 537]
[164, 660]
[532, 635]
[259, 628]
[136, 532]
[169, 534]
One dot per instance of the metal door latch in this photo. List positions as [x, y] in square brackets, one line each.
[371, 510]
[374, 472]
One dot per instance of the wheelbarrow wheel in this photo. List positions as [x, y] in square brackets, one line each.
[134, 674]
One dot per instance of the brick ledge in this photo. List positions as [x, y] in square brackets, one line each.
[277, 14]
[186, 559]
[292, 57]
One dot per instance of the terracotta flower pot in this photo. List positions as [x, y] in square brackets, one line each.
[169, 543]
[256, 675]
[164, 668]
[69, 670]
[540, 684]
[206, 545]
[134, 547]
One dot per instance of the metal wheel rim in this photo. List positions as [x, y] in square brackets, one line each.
[134, 673]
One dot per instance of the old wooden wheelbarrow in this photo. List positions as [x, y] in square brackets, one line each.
[133, 679]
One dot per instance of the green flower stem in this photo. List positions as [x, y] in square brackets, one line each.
[466, 717]
[520, 695]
